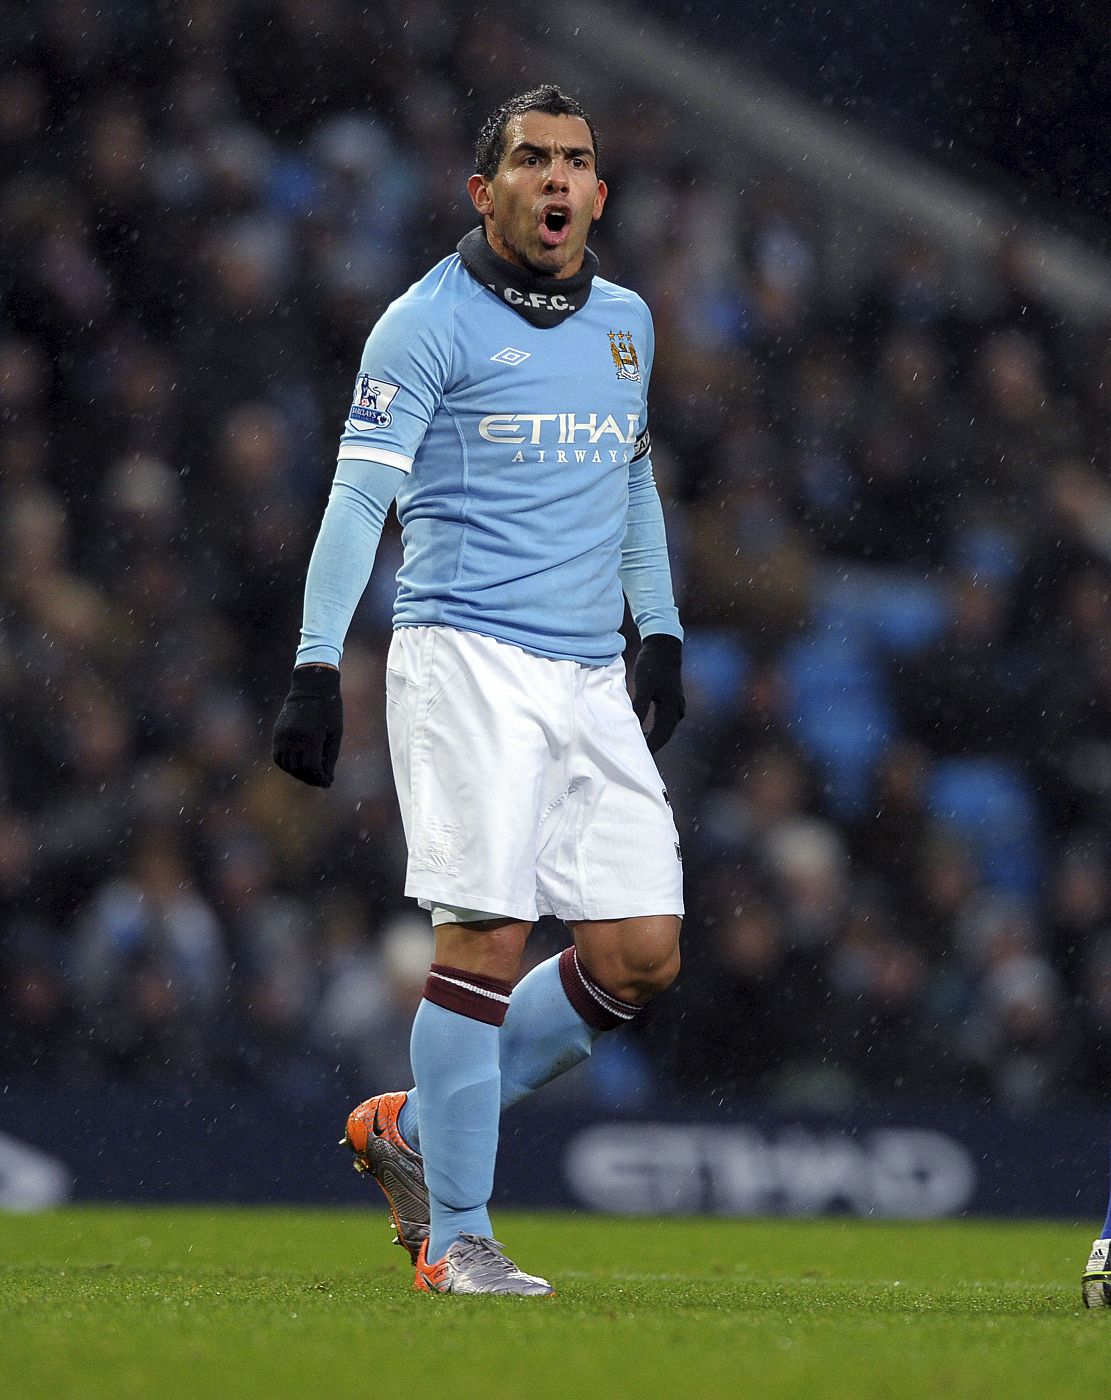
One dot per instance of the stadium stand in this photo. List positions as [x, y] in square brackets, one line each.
[890, 513]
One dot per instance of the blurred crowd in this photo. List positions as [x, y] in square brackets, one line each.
[889, 510]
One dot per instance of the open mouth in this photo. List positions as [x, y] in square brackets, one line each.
[555, 224]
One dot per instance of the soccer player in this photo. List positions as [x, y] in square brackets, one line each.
[502, 402]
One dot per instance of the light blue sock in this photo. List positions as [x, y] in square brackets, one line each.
[455, 1064]
[542, 1037]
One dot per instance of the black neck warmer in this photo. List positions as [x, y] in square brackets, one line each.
[542, 301]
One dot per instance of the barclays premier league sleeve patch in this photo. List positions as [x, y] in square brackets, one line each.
[370, 408]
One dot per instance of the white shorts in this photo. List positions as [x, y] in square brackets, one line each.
[525, 785]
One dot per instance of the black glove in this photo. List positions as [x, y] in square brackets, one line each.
[658, 677]
[310, 726]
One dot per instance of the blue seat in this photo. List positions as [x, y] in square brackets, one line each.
[716, 667]
[840, 712]
[989, 551]
[990, 804]
[895, 612]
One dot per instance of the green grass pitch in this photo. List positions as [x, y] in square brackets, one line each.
[183, 1302]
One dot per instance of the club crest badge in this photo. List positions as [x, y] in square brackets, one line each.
[370, 408]
[624, 354]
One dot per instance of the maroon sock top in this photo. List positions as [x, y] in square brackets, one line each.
[598, 1008]
[468, 993]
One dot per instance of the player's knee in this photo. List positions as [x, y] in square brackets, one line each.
[657, 977]
[638, 976]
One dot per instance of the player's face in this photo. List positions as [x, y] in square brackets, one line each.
[544, 196]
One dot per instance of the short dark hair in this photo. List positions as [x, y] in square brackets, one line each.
[490, 146]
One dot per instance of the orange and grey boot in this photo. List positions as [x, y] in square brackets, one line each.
[373, 1136]
[476, 1264]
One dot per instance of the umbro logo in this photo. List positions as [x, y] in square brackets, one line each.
[509, 356]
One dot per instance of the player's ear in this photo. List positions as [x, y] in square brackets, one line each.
[478, 187]
[599, 200]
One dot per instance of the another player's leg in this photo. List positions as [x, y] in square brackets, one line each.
[1095, 1286]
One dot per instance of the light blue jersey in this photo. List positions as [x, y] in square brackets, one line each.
[512, 448]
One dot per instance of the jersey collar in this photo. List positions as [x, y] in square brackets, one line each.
[542, 301]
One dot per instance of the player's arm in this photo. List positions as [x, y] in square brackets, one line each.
[398, 388]
[309, 729]
[646, 580]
